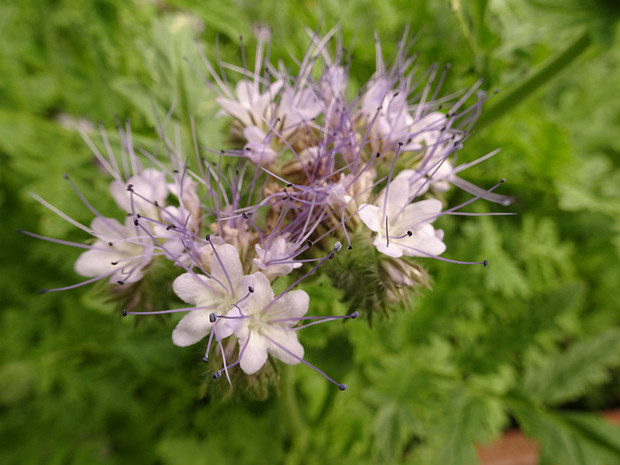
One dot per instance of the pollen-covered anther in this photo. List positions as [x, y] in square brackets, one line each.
[354, 315]
[342, 387]
[216, 375]
[205, 359]
[212, 317]
[485, 263]
[125, 312]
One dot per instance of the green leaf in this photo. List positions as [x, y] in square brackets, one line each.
[183, 451]
[175, 83]
[468, 419]
[545, 257]
[504, 273]
[570, 438]
[564, 376]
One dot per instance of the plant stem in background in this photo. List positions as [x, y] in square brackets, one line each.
[299, 428]
[506, 101]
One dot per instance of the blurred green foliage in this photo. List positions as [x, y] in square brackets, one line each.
[530, 339]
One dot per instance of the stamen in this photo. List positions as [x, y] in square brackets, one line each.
[172, 310]
[319, 319]
[83, 283]
[342, 387]
[323, 260]
[236, 362]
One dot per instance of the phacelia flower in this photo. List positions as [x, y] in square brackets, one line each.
[264, 325]
[120, 251]
[276, 259]
[217, 293]
[141, 193]
[309, 165]
[403, 228]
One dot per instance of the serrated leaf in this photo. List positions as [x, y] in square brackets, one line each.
[545, 257]
[504, 273]
[565, 376]
[470, 419]
[570, 438]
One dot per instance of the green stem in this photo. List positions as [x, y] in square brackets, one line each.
[186, 115]
[516, 94]
[299, 429]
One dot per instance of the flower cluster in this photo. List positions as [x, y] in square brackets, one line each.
[312, 169]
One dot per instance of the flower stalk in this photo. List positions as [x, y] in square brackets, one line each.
[505, 101]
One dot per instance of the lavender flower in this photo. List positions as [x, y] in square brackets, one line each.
[403, 228]
[120, 251]
[309, 167]
[264, 325]
[217, 293]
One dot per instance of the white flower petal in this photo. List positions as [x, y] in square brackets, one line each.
[96, 262]
[192, 288]
[397, 198]
[422, 212]
[192, 328]
[427, 242]
[118, 190]
[276, 260]
[371, 216]
[235, 109]
[229, 259]
[291, 306]
[130, 253]
[284, 345]
[234, 324]
[254, 134]
[108, 229]
[393, 249]
[254, 355]
[262, 295]
[149, 187]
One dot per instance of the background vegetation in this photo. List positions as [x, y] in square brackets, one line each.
[532, 340]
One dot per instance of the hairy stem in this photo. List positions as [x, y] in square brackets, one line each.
[547, 70]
